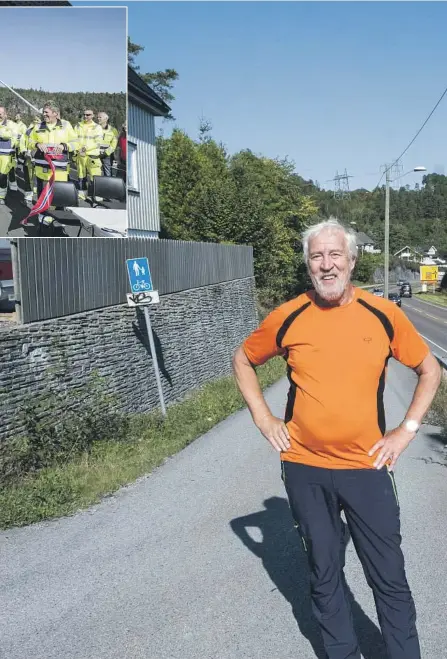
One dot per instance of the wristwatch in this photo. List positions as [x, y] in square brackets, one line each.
[411, 425]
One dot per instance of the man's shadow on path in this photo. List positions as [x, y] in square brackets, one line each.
[285, 561]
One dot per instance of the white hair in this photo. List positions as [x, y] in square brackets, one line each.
[331, 225]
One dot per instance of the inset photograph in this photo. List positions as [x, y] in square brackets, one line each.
[63, 123]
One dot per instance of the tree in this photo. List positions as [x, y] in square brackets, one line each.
[162, 82]
[206, 195]
[133, 50]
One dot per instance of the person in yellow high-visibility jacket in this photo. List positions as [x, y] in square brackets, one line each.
[21, 126]
[21, 159]
[89, 135]
[52, 135]
[30, 160]
[8, 143]
[108, 144]
[25, 160]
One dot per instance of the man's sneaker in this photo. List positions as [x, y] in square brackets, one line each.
[81, 195]
[2, 202]
[13, 185]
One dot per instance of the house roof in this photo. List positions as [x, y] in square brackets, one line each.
[412, 249]
[363, 239]
[139, 92]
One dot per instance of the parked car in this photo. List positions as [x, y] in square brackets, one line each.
[378, 292]
[7, 296]
[405, 290]
[394, 297]
[400, 282]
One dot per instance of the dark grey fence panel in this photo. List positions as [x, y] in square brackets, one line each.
[61, 276]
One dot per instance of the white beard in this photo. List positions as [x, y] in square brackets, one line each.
[333, 291]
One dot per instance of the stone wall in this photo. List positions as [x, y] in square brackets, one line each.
[195, 333]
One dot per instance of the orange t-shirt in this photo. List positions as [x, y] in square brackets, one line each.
[336, 364]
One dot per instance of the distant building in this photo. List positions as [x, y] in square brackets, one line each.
[407, 253]
[142, 183]
[366, 244]
[431, 251]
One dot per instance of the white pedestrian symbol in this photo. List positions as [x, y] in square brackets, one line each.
[136, 269]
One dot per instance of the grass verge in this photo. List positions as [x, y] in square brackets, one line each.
[438, 410]
[66, 488]
[435, 298]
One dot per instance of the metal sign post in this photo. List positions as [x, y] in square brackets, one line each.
[143, 294]
[154, 357]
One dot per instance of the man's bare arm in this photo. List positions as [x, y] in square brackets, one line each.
[272, 428]
[395, 442]
[429, 379]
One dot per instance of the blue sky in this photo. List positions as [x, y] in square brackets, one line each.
[86, 48]
[331, 85]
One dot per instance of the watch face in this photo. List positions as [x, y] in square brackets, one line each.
[412, 426]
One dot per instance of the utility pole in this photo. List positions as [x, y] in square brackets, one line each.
[387, 234]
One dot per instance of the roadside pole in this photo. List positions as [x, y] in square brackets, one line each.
[142, 295]
[154, 357]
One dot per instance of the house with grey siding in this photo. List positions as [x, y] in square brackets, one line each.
[142, 185]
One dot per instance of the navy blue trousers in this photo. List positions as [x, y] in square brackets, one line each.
[369, 500]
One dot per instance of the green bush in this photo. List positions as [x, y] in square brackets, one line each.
[59, 425]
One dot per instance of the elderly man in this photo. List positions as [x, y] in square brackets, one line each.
[8, 144]
[335, 452]
[108, 143]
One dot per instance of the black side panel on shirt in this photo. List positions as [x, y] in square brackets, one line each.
[380, 406]
[279, 338]
[290, 397]
[288, 321]
[387, 326]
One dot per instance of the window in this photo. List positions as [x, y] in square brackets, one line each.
[132, 168]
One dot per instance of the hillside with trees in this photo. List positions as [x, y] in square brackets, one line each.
[72, 105]
[418, 217]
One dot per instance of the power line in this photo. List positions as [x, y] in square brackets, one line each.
[413, 140]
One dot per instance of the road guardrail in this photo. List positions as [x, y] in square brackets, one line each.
[442, 361]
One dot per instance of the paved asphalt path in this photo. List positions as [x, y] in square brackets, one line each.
[200, 560]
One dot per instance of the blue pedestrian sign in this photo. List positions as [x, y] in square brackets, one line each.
[139, 275]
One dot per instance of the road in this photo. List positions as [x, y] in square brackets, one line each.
[431, 322]
[200, 559]
[16, 210]
[429, 319]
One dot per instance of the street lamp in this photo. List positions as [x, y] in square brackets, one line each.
[387, 225]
